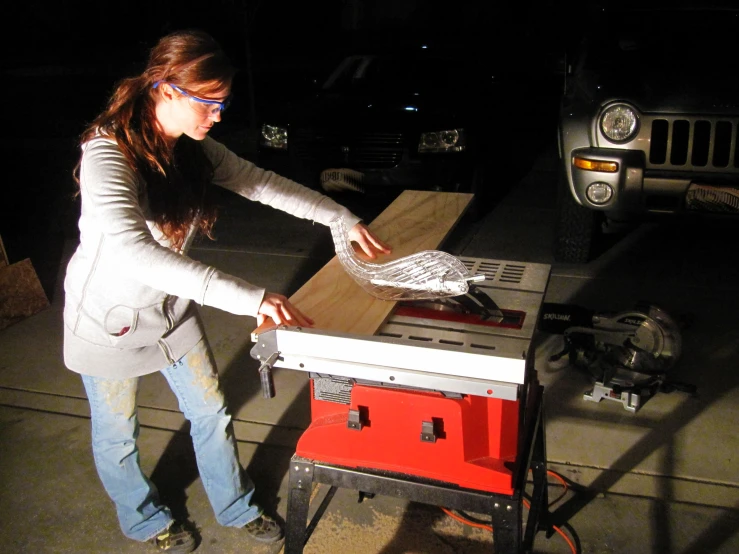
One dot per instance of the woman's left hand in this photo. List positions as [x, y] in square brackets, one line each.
[370, 244]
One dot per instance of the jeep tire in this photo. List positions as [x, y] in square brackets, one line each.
[577, 228]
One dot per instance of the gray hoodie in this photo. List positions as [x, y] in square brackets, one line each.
[128, 308]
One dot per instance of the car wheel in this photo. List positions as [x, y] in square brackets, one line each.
[577, 228]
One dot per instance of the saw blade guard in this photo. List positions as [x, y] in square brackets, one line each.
[425, 275]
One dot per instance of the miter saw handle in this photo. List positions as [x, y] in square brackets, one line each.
[556, 318]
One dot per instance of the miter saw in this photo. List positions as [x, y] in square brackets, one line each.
[628, 353]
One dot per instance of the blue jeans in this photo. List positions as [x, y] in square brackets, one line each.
[115, 428]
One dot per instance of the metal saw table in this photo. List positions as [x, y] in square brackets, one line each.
[439, 407]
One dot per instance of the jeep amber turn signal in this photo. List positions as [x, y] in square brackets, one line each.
[595, 165]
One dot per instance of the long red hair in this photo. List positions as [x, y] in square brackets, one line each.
[177, 180]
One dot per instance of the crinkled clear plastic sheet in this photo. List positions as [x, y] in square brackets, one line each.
[426, 275]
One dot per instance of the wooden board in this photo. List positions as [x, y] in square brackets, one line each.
[21, 294]
[415, 221]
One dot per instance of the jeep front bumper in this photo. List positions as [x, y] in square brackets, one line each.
[632, 189]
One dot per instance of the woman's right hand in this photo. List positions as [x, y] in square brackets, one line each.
[281, 311]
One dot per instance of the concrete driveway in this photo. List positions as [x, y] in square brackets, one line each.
[663, 480]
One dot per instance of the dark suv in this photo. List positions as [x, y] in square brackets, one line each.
[419, 116]
[387, 116]
[648, 123]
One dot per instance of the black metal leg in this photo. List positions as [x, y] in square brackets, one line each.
[298, 502]
[540, 494]
[506, 517]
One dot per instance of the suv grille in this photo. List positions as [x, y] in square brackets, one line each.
[694, 144]
[368, 149]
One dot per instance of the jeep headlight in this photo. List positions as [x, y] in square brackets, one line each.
[274, 137]
[453, 140]
[619, 122]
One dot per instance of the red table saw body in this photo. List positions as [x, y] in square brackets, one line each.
[476, 445]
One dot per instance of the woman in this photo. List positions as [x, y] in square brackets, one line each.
[145, 173]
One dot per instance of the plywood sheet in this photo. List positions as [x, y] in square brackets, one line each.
[21, 294]
[415, 221]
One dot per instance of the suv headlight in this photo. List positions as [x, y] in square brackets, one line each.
[274, 137]
[453, 140]
[619, 122]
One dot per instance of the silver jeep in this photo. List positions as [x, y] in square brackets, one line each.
[648, 123]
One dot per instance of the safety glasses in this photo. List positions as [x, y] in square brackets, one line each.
[200, 105]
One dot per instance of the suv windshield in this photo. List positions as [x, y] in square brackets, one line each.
[665, 42]
[407, 73]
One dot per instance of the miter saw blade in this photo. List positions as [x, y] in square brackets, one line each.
[655, 345]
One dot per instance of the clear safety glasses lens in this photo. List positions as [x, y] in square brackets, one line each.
[207, 107]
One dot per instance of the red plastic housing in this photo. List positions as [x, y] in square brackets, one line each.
[476, 444]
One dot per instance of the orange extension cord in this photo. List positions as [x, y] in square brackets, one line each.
[528, 505]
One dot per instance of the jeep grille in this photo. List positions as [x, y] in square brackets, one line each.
[369, 149]
[696, 143]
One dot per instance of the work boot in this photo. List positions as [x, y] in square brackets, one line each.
[264, 529]
[175, 540]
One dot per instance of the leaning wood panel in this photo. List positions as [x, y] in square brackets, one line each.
[415, 221]
[21, 294]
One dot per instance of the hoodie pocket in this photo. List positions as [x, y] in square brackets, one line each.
[121, 320]
[128, 327]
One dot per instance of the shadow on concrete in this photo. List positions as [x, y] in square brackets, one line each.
[717, 533]
[674, 266]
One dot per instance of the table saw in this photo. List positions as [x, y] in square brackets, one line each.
[441, 405]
